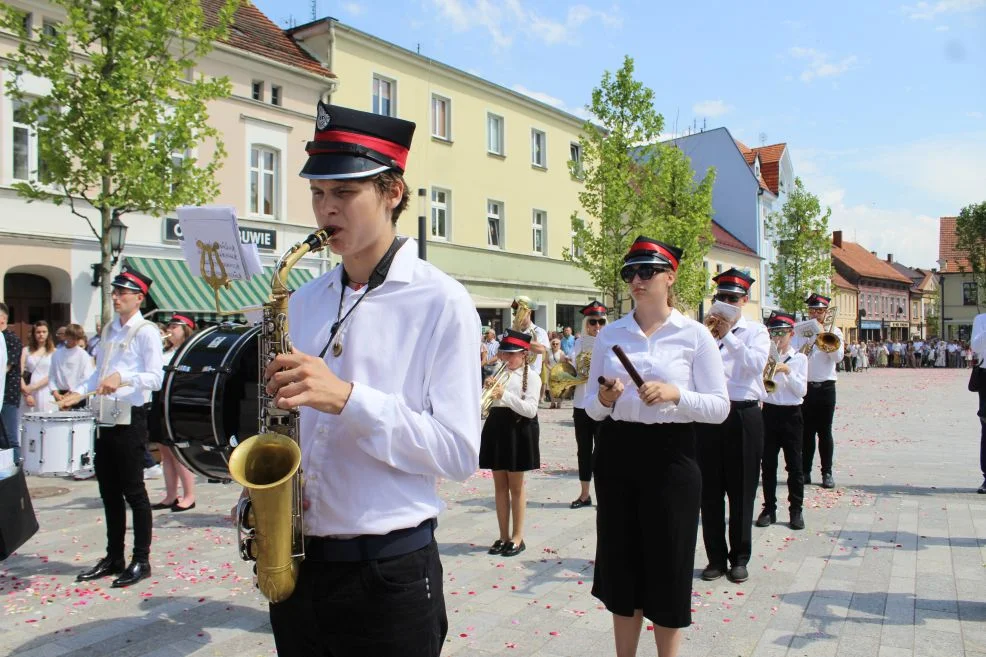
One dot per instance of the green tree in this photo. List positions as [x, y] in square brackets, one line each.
[634, 185]
[970, 240]
[124, 112]
[800, 234]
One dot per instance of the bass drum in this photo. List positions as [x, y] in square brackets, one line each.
[210, 396]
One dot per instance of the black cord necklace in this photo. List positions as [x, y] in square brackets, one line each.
[377, 278]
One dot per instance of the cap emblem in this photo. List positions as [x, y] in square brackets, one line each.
[322, 119]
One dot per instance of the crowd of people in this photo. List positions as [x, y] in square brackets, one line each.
[935, 352]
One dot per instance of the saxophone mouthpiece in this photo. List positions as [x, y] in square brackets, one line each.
[319, 239]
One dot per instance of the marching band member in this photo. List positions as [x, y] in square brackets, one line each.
[510, 441]
[978, 346]
[539, 340]
[819, 406]
[129, 368]
[783, 425]
[384, 374]
[586, 429]
[648, 484]
[729, 453]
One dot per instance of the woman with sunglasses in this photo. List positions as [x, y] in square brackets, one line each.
[648, 485]
[586, 429]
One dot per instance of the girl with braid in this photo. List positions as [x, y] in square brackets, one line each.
[509, 444]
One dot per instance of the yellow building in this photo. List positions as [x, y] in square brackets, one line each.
[492, 166]
[846, 300]
[728, 252]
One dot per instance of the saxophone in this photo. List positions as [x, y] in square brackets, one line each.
[269, 522]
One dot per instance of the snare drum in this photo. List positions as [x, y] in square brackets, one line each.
[57, 443]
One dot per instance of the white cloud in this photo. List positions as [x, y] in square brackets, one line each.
[974, 115]
[352, 8]
[925, 11]
[711, 108]
[504, 18]
[557, 103]
[819, 65]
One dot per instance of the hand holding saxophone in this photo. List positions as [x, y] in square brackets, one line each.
[296, 379]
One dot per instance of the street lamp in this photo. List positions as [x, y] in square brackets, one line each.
[118, 240]
[942, 264]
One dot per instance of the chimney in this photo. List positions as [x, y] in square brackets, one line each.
[890, 258]
[837, 238]
[873, 253]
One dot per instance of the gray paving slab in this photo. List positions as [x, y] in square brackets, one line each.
[891, 563]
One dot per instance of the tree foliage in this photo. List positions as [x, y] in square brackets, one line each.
[800, 233]
[970, 241]
[123, 103]
[634, 185]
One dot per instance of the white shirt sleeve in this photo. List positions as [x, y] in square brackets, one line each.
[521, 403]
[978, 342]
[709, 401]
[151, 373]
[797, 379]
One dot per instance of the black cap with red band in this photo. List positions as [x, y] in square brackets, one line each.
[647, 251]
[130, 279]
[818, 301]
[781, 320]
[350, 144]
[733, 281]
[512, 340]
[181, 319]
[594, 309]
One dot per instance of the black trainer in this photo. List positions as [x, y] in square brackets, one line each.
[766, 519]
[827, 480]
[738, 574]
[712, 573]
[797, 520]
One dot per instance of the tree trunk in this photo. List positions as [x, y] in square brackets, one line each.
[106, 259]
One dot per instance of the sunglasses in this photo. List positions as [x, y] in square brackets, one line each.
[778, 332]
[728, 298]
[597, 322]
[645, 272]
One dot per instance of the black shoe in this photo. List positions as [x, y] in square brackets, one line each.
[579, 503]
[176, 508]
[797, 520]
[738, 574]
[712, 573]
[827, 480]
[136, 571]
[497, 547]
[982, 489]
[512, 550]
[106, 566]
[766, 519]
[807, 478]
[160, 506]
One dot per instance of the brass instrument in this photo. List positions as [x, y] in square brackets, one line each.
[269, 522]
[714, 324]
[826, 339]
[562, 377]
[770, 369]
[499, 377]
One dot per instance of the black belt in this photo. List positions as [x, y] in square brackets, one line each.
[746, 403]
[369, 547]
[821, 384]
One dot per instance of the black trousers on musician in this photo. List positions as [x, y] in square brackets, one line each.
[119, 465]
[982, 420]
[729, 456]
[382, 607]
[782, 431]
[818, 411]
[586, 430]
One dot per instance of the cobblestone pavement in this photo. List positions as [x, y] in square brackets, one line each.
[891, 563]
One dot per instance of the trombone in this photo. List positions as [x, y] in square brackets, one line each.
[826, 338]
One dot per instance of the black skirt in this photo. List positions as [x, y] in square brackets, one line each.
[648, 496]
[510, 442]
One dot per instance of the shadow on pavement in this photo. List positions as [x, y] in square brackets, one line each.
[895, 540]
[899, 489]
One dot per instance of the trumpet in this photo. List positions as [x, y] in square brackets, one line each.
[714, 323]
[498, 379]
[770, 369]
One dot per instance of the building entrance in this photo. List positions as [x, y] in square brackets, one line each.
[28, 297]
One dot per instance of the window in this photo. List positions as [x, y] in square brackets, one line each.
[28, 164]
[263, 181]
[384, 96]
[441, 117]
[577, 251]
[718, 268]
[494, 134]
[49, 28]
[538, 155]
[538, 222]
[177, 161]
[575, 156]
[440, 199]
[27, 23]
[494, 224]
[275, 95]
[258, 90]
[970, 294]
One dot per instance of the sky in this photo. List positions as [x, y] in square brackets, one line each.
[881, 103]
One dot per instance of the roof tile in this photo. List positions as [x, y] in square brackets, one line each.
[955, 260]
[726, 240]
[864, 263]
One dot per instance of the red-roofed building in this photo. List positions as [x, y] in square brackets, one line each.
[961, 297]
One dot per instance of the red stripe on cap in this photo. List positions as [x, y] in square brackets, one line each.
[394, 151]
[517, 342]
[786, 320]
[647, 246]
[184, 320]
[733, 279]
[133, 279]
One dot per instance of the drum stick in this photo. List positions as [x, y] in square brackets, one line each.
[627, 365]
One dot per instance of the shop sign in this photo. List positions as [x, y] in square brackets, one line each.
[266, 240]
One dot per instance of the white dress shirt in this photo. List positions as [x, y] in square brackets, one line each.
[745, 350]
[69, 368]
[139, 363]
[522, 403]
[791, 386]
[978, 342]
[821, 364]
[409, 349]
[681, 352]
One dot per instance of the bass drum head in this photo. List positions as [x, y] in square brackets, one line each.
[211, 397]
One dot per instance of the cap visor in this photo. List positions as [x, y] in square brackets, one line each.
[340, 166]
[648, 259]
[729, 288]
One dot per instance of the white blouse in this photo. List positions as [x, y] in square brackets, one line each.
[791, 386]
[514, 397]
[681, 352]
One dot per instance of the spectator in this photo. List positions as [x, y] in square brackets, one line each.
[567, 341]
[70, 365]
[36, 361]
[10, 415]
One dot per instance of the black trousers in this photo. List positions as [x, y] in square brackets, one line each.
[586, 430]
[982, 420]
[729, 456]
[818, 411]
[119, 465]
[384, 607]
[782, 430]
